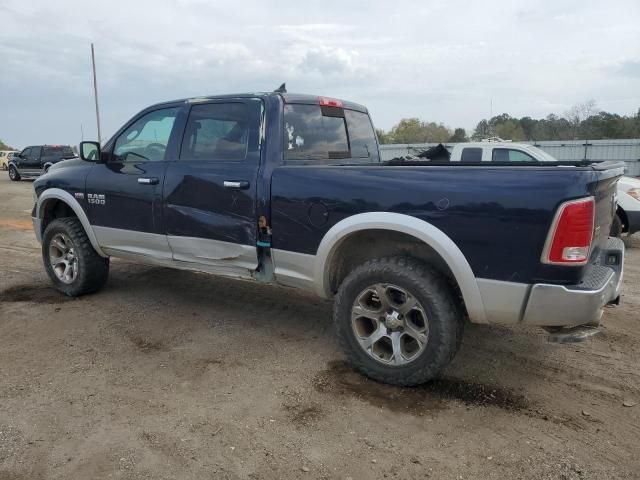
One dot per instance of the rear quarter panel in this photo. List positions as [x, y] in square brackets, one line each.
[498, 216]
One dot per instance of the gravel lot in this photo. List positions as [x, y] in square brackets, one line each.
[169, 374]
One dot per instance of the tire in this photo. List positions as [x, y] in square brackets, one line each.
[90, 272]
[14, 174]
[436, 302]
[616, 226]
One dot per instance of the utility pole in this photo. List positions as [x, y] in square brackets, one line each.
[95, 91]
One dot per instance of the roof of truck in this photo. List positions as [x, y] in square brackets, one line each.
[287, 97]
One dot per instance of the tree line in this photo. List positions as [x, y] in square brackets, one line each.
[582, 122]
[4, 146]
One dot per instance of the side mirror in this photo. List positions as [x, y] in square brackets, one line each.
[90, 151]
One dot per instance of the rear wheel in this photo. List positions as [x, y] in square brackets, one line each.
[72, 264]
[616, 226]
[13, 173]
[397, 320]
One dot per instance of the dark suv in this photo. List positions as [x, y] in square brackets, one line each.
[36, 160]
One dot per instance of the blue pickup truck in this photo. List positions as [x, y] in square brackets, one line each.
[289, 189]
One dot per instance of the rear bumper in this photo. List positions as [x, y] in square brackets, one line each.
[562, 305]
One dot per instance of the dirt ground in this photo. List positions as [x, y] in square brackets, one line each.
[169, 374]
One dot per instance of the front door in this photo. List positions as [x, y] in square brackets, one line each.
[29, 162]
[124, 194]
[210, 190]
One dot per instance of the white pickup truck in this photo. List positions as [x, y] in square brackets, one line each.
[627, 219]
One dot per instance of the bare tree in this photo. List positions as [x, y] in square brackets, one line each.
[579, 113]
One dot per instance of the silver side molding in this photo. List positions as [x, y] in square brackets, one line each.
[121, 241]
[415, 227]
[59, 194]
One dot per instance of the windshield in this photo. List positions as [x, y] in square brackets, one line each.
[541, 154]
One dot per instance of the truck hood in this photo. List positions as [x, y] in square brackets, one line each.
[626, 183]
[66, 163]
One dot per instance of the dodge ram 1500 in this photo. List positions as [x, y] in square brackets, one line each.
[287, 188]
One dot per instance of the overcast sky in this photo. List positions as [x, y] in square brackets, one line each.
[438, 60]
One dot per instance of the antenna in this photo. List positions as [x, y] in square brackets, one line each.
[95, 91]
[281, 89]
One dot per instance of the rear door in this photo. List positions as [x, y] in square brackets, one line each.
[124, 194]
[210, 189]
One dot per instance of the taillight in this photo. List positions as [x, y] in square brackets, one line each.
[571, 234]
[329, 102]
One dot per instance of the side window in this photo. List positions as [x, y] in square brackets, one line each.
[362, 138]
[147, 138]
[471, 155]
[216, 131]
[26, 153]
[35, 152]
[510, 155]
[312, 132]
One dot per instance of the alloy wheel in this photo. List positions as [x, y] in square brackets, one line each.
[63, 258]
[390, 324]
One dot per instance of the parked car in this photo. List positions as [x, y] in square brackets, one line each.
[5, 156]
[35, 160]
[286, 188]
[627, 218]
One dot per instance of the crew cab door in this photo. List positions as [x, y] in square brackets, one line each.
[29, 161]
[210, 189]
[124, 193]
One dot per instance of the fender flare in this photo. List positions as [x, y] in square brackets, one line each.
[66, 197]
[419, 229]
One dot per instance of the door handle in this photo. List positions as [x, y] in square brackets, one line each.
[240, 185]
[148, 180]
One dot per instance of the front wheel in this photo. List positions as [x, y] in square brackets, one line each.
[397, 321]
[70, 260]
[13, 173]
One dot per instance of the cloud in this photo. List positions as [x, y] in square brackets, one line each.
[329, 61]
[438, 60]
[630, 68]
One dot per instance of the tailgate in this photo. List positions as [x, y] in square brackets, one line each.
[603, 187]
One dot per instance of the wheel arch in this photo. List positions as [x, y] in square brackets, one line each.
[385, 233]
[55, 198]
[625, 219]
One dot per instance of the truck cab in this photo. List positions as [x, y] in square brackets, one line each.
[489, 151]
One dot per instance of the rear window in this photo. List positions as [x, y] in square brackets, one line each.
[320, 134]
[362, 137]
[57, 152]
[471, 155]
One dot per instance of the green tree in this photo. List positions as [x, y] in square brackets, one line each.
[510, 130]
[383, 137]
[482, 130]
[413, 130]
[459, 135]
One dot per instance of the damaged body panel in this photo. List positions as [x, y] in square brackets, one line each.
[288, 188]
